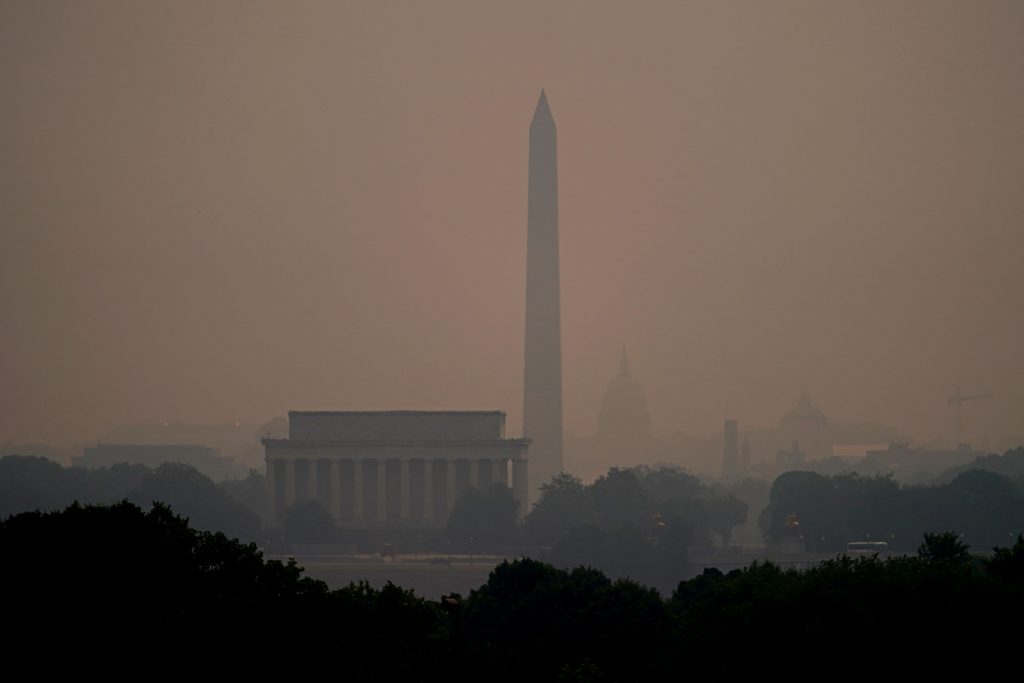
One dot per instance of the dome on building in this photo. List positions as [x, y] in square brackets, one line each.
[624, 415]
[804, 412]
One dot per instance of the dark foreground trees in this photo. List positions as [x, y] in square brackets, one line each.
[532, 621]
[133, 593]
[111, 586]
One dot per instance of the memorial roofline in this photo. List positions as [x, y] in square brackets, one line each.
[396, 442]
[396, 412]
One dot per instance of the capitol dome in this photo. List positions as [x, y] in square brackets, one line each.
[805, 413]
[624, 416]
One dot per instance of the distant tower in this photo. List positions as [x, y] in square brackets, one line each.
[730, 450]
[542, 386]
[745, 456]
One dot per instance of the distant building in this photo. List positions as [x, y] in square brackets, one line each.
[624, 437]
[745, 456]
[819, 438]
[207, 460]
[730, 450]
[237, 441]
[793, 457]
[392, 468]
[808, 425]
[917, 465]
[624, 421]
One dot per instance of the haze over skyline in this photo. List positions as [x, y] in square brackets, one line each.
[225, 212]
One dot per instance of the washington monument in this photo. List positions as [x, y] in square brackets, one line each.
[542, 385]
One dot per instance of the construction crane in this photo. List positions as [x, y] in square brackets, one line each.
[957, 400]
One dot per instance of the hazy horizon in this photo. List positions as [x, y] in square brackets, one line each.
[223, 212]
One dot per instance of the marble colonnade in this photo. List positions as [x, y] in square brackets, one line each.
[379, 491]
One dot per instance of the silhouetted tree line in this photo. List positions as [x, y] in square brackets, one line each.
[986, 508]
[115, 588]
[637, 523]
[233, 507]
[1010, 464]
[118, 589]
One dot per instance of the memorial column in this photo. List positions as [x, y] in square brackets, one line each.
[313, 467]
[449, 502]
[335, 505]
[382, 490]
[289, 483]
[271, 477]
[499, 471]
[404, 490]
[357, 489]
[428, 490]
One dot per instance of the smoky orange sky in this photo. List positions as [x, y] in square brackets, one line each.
[219, 211]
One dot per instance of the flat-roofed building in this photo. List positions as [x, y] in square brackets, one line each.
[392, 468]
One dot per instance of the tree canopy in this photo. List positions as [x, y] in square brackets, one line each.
[127, 585]
[308, 522]
[484, 517]
[32, 483]
[117, 588]
[636, 523]
[986, 507]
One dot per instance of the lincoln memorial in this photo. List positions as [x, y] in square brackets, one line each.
[392, 468]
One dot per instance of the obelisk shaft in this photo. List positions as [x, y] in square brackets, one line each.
[542, 386]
